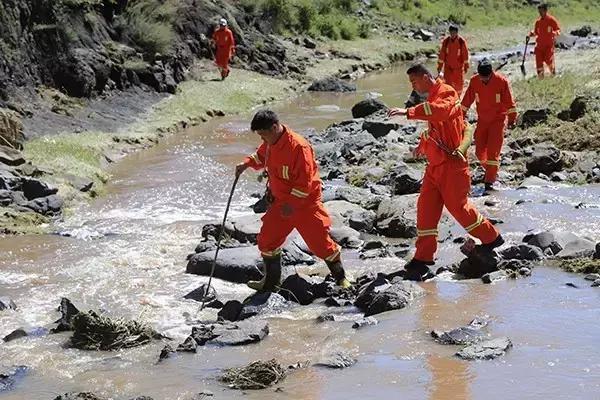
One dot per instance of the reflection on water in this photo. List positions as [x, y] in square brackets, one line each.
[126, 256]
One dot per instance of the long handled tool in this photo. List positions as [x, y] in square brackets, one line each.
[219, 237]
[523, 71]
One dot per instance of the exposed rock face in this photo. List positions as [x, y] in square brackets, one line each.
[11, 129]
[332, 85]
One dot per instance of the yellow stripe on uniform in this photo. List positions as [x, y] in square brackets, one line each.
[475, 224]
[299, 193]
[425, 134]
[497, 97]
[273, 253]
[334, 256]
[255, 158]
[493, 163]
[427, 108]
[427, 232]
[512, 110]
[285, 172]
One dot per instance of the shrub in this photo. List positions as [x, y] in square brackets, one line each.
[279, 11]
[364, 30]
[348, 29]
[327, 27]
[149, 24]
[306, 15]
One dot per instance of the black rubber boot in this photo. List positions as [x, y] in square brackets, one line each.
[272, 275]
[499, 241]
[415, 270]
[338, 273]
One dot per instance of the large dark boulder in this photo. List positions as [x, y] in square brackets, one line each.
[546, 159]
[299, 288]
[33, 189]
[367, 107]
[49, 205]
[10, 156]
[583, 32]
[378, 128]
[469, 334]
[346, 237]
[522, 252]
[262, 303]
[404, 180]
[331, 84]
[381, 296]
[478, 263]
[238, 265]
[396, 217]
[544, 240]
[533, 117]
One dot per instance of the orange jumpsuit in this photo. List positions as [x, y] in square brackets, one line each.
[447, 181]
[454, 58]
[494, 103]
[293, 180]
[225, 43]
[546, 30]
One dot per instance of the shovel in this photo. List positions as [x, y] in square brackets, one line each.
[523, 71]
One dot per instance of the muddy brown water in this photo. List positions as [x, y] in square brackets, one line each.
[127, 257]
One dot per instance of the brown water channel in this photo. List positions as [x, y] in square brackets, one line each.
[127, 257]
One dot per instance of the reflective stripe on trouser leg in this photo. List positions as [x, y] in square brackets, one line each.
[455, 185]
[429, 212]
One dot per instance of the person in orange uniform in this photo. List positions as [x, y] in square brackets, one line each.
[495, 104]
[447, 181]
[294, 186]
[546, 30]
[225, 47]
[454, 59]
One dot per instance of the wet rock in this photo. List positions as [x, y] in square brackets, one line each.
[525, 271]
[596, 283]
[361, 323]
[238, 265]
[379, 129]
[597, 252]
[522, 252]
[67, 311]
[396, 217]
[309, 43]
[166, 352]
[10, 376]
[577, 247]
[478, 263]
[583, 32]
[7, 304]
[405, 180]
[362, 221]
[367, 107]
[469, 334]
[241, 333]
[415, 99]
[10, 156]
[230, 311]
[533, 117]
[79, 396]
[337, 360]
[202, 294]
[392, 296]
[487, 350]
[544, 240]
[592, 277]
[189, 345]
[495, 276]
[262, 303]
[331, 84]
[50, 205]
[346, 237]
[533, 181]
[14, 335]
[203, 395]
[296, 252]
[299, 288]
[358, 196]
[558, 177]
[546, 159]
[565, 42]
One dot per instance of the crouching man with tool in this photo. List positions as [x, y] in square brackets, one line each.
[294, 188]
[447, 180]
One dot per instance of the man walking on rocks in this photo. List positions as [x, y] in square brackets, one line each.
[546, 30]
[491, 92]
[447, 181]
[454, 59]
[225, 47]
[294, 189]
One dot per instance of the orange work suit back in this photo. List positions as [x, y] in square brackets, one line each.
[494, 100]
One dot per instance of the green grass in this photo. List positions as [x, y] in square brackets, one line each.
[149, 24]
[19, 223]
[581, 265]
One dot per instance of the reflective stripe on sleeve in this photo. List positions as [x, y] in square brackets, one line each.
[299, 193]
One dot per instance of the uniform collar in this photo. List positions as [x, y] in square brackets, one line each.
[435, 88]
[282, 139]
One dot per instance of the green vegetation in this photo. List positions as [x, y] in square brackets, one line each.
[149, 24]
[557, 93]
[14, 222]
[581, 265]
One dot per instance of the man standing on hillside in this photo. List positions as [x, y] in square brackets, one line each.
[294, 186]
[454, 59]
[225, 47]
[546, 30]
[447, 181]
[491, 92]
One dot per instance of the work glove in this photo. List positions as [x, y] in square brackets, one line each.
[240, 168]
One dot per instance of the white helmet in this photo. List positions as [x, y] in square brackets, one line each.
[223, 22]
